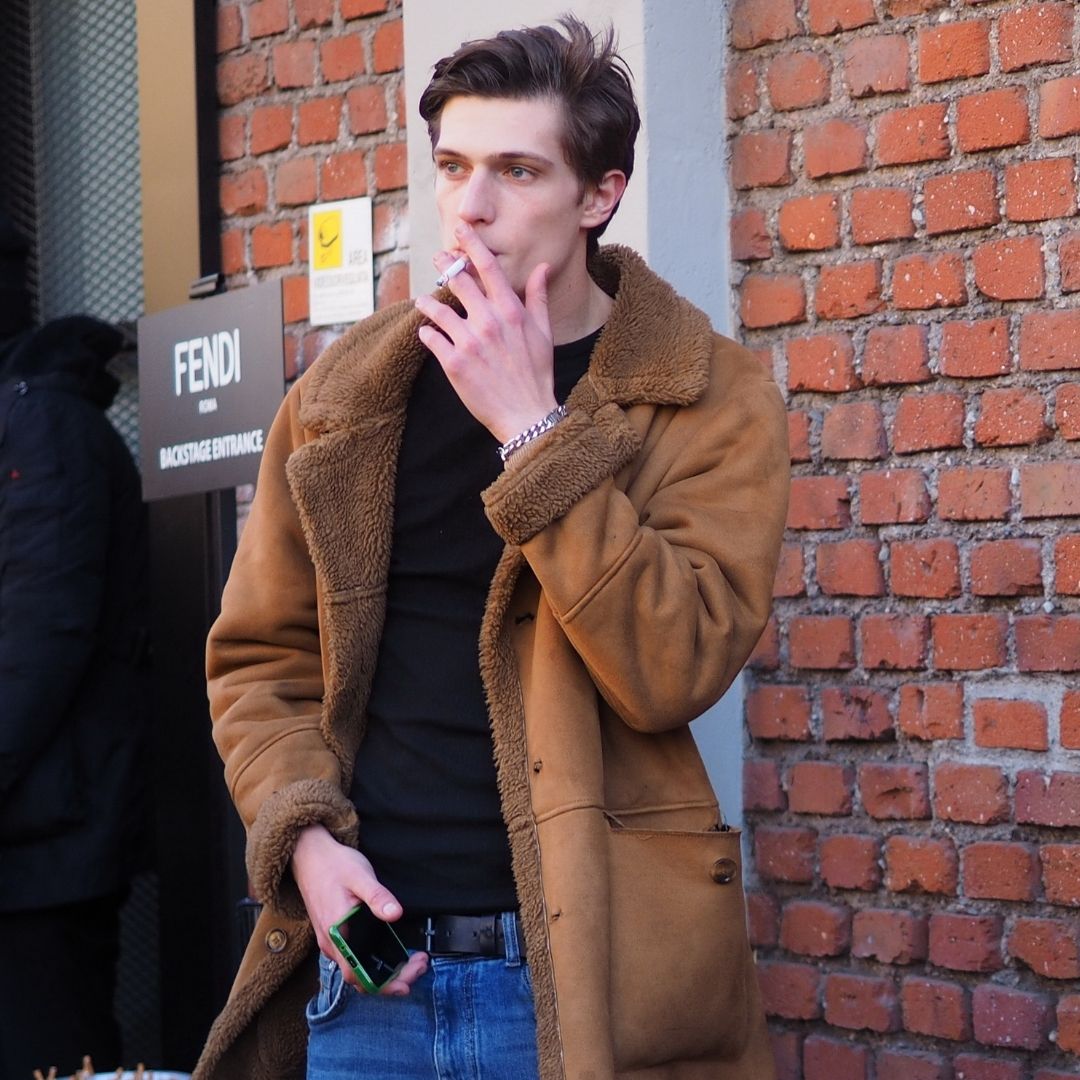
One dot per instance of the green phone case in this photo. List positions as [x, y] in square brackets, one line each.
[363, 976]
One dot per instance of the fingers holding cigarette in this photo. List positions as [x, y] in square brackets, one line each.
[452, 271]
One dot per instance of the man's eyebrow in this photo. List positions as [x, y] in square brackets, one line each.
[505, 157]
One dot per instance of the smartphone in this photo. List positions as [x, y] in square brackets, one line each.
[372, 950]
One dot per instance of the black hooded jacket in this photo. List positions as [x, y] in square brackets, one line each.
[72, 583]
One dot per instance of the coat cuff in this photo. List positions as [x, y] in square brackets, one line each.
[272, 838]
[576, 457]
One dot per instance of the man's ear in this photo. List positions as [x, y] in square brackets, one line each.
[601, 199]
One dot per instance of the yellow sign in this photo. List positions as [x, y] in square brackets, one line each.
[327, 245]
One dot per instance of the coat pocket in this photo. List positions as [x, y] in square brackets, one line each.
[680, 956]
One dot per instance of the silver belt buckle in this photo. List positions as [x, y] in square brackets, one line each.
[429, 933]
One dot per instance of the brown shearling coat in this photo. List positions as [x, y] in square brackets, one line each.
[641, 541]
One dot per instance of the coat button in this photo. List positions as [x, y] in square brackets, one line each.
[276, 940]
[724, 871]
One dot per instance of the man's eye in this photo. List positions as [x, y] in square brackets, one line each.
[451, 168]
[519, 172]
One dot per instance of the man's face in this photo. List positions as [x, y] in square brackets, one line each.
[499, 167]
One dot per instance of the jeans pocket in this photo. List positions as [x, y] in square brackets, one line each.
[331, 997]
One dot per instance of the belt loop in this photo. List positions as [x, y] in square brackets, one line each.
[510, 938]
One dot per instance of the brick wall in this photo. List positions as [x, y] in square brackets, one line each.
[908, 255]
[312, 110]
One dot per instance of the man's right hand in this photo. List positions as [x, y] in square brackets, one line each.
[332, 879]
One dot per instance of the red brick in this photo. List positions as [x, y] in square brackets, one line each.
[230, 138]
[790, 990]
[888, 936]
[750, 236]
[828, 16]
[931, 711]
[996, 870]
[830, 1059]
[811, 223]
[266, 17]
[1054, 1074]
[876, 65]
[834, 147]
[232, 252]
[1067, 565]
[354, 9]
[928, 422]
[784, 854]
[974, 1067]
[812, 928]
[1059, 108]
[786, 1048]
[756, 22]
[861, 1002]
[1010, 269]
[762, 920]
[344, 176]
[850, 862]
[820, 787]
[896, 355]
[1061, 873]
[968, 642]
[821, 642]
[928, 568]
[954, 51]
[879, 214]
[1050, 489]
[917, 133]
[272, 245]
[393, 285]
[893, 642]
[855, 713]
[294, 298]
[850, 568]
[766, 654]
[778, 712]
[1035, 34]
[271, 128]
[1050, 340]
[388, 47]
[913, 864]
[910, 1065]
[1012, 1018]
[977, 794]
[899, 9]
[391, 166]
[961, 200]
[894, 496]
[1006, 568]
[937, 1008]
[819, 502]
[294, 64]
[975, 350]
[854, 430]
[1068, 1018]
[1052, 800]
[295, 182]
[790, 572]
[1012, 417]
[974, 494]
[892, 791]
[799, 439]
[240, 78]
[1070, 720]
[1069, 260]
[243, 193]
[311, 13]
[742, 90]
[1050, 947]
[230, 27]
[761, 786]
[367, 110]
[848, 290]
[342, 57]
[1040, 190]
[761, 159]
[318, 121]
[993, 119]
[824, 363]
[771, 300]
[929, 281]
[798, 80]
[965, 942]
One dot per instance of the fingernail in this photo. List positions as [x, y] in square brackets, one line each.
[459, 230]
[390, 909]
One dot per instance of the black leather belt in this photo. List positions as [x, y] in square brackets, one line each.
[458, 935]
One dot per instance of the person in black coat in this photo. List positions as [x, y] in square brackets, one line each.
[72, 582]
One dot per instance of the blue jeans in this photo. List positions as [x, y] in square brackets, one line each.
[467, 1018]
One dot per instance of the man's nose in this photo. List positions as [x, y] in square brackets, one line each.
[476, 203]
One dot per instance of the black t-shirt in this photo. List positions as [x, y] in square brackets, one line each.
[424, 785]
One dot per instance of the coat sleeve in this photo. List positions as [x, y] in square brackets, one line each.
[265, 683]
[55, 532]
[661, 581]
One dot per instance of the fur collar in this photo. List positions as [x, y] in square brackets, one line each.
[655, 349]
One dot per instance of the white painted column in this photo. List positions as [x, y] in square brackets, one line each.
[675, 212]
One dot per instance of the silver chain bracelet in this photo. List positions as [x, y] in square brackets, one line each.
[538, 429]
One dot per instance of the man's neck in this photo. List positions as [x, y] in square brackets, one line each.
[577, 309]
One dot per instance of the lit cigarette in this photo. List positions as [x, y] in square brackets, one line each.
[451, 271]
